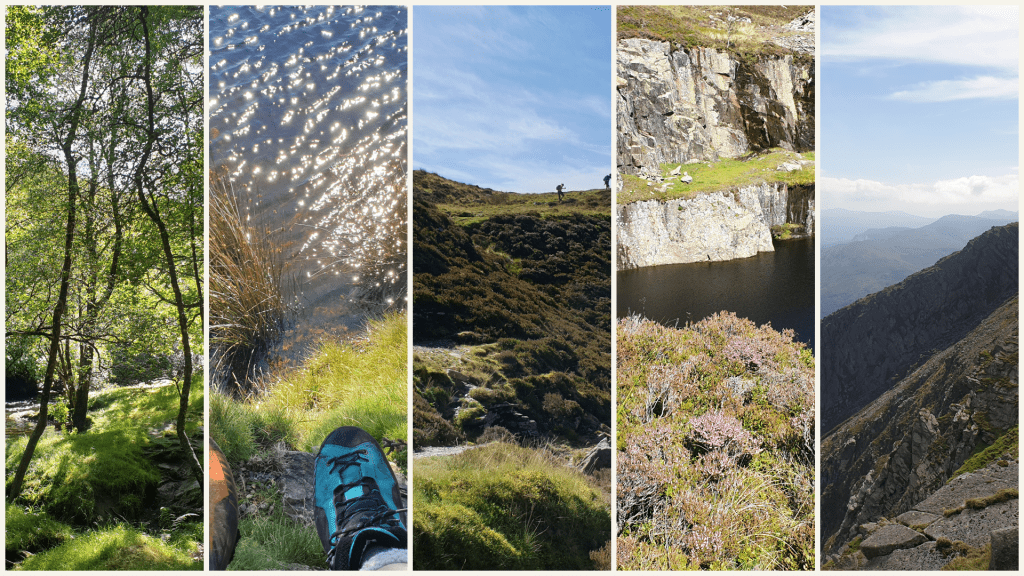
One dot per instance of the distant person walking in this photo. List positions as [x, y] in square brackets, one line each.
[559, 189]
[607, 182]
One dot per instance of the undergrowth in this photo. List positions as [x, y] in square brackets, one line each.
[716, 447]
[506, 507]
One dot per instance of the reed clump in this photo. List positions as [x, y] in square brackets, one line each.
[247, 306]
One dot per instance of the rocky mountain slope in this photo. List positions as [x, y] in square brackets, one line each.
[873, 343]
[880, 257]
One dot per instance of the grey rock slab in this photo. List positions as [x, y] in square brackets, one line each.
[917, 518]
[889, 538]
[966, 486]
[974, 526]
[1005, 553]
[297, 475]
[923, 557]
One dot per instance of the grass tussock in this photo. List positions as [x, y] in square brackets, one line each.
[358, 384]
[246, 303]
[969, 558]
[275, 541]
[506, 507]
[716, 447]
[726, 174]
[1003, 495]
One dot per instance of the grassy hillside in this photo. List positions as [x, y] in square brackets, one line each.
[513, 295]
[716, 447]
[708, 27]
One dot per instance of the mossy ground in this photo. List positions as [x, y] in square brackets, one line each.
[693, 26]
[726, 174]
[88, 502]
[716, 447]
[361, 383]
[506, 507]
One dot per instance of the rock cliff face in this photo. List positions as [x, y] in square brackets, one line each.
[871, 344]
[709, 227]
[697, 104]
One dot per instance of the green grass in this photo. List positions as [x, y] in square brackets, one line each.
[32, 531]
[506, 507]
[274, 541]
[359, 384]
[724, 175]
[1006, 444]
[118, 547]
[690, 26]
[70, 474]
[973, 558]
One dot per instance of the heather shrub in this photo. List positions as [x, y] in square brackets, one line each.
[716, 437]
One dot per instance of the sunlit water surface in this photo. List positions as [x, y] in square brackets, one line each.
[308, 114]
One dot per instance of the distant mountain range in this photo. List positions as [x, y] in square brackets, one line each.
[872, 253]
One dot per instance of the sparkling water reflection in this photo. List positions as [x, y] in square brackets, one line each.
[308, 114]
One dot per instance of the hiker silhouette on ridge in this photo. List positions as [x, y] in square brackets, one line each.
[559, 189]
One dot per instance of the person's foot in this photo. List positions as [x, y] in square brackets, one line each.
[358, 502]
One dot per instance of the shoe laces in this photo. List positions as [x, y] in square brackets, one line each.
[371, 505]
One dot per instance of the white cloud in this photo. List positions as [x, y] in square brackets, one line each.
[981, 36]
[988, 87]
[970, 194]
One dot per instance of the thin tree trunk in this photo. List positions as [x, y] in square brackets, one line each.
[151, 210]
[65, 277]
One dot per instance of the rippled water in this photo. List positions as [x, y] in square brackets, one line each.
[776, 287]
[308, 113]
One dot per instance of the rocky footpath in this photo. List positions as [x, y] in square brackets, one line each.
[902, 447]
[709, 227]
[699, 104]
[874, 342]
[930, 534]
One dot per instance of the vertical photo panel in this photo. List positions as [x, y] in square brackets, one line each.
[715, 154]
[919, 287]
[308, 129]
[104, 260]
[512, 288]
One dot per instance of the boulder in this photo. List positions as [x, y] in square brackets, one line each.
[916, 518]
[599, 457]
[1005, 553]
[296, 483]
[889, 538]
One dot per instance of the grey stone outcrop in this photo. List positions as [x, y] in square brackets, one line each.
[1005, 553]
[889, 538]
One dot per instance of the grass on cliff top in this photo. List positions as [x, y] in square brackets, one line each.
[707, 27]
[726, 174]
[359, 384]
[506, 507]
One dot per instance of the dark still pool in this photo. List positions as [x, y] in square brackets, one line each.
[776, 287]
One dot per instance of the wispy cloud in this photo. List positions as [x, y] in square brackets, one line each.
[949, 195]
[985, 36]
[965, 89]
[972, 37]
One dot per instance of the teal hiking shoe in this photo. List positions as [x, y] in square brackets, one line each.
[359, 505]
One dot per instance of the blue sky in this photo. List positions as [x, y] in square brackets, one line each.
[919, 108]
[513, 98]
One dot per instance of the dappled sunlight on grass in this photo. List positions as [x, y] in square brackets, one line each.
[118, 547]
